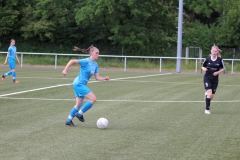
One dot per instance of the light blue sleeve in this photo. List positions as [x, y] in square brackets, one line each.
[96, 70]
[9, 49]
[83, 62]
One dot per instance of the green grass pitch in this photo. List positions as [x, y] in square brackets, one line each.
[151, 116]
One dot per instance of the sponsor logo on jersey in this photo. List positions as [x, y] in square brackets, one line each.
[93, 70]
[217, 64]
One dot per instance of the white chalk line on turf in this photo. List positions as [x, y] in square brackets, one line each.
[142, 76]
[180, 83]
[184, 83]
[32, 90]
[47, 78]
[129, 101]
[60, 85]
[111, 79]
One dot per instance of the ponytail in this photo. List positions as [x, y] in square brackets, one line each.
[89, 50]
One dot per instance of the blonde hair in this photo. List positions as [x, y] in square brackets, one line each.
[219, 50]
[89, 50]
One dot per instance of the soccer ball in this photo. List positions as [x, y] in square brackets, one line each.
[102, 123]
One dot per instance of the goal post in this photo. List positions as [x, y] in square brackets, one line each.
[193, 52]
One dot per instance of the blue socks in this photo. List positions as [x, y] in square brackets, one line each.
[8, 73]
[72, 114]
[79, 106]
[85, 108]
[11, 73]
[13, 76]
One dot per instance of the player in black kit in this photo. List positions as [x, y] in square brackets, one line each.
[213, 66]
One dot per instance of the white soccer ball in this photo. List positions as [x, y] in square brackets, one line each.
[102, 123]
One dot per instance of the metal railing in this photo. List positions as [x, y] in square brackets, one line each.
[197, 60]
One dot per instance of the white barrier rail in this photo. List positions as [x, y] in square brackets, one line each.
[125, 59]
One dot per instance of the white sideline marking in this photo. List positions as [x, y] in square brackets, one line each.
[141, 76]
[38, 89]
[60, 85]
[111, 79]
[139, 101]
[40, 78]
[187, 83]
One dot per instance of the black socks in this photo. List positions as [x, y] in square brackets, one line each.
[208, 103]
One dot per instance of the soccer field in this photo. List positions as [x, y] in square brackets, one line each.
[151, 116]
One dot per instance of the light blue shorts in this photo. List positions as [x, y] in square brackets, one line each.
[81, 90]
[11, 63]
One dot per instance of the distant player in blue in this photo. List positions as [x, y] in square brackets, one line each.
[10, 58]
[88, 68]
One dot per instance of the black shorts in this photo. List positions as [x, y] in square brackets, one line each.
[210, 84]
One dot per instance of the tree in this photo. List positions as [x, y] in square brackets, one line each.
[9, 16]
[48, 20]
[212, 22]
[134, 24]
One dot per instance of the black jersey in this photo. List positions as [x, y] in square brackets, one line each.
[213, 66]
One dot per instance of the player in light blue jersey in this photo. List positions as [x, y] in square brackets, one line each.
[10, 58]
[89, 67]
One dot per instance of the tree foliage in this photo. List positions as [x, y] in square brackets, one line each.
[9, 16]
[136, 24]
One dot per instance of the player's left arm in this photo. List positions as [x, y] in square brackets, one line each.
[218, 72]
[223, 68]
[17, 58]
[99, 78]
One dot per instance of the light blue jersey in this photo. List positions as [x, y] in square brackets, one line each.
[12, 52]
[11, 62]
[88, 68]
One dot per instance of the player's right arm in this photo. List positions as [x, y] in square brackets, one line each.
[72, 61]
[5, 62]
[204, 66]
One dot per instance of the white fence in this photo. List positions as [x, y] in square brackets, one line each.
[56, 55]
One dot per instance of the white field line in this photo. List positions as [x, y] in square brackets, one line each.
[130, 101]
[41, 78]
[111, 79]
[32, 90]
[187, 83]
[141, 76]
[60, 85]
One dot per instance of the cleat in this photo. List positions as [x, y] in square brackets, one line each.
[71, 124]
[3, 78]
[80, 118]
[16, 81]
[207, 112]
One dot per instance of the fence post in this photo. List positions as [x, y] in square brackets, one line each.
[196, 66]
[160, 69]
[56, 61]
[21, 60]
[125, 63]
[232, 67]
